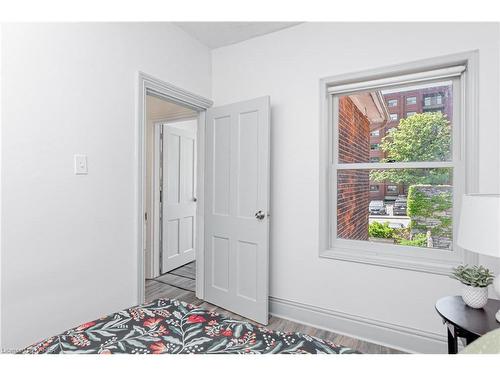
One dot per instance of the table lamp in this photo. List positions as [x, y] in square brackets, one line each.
[479, 228]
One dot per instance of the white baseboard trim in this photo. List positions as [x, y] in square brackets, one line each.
[399, 337]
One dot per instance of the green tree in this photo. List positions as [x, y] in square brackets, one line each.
[421, 137]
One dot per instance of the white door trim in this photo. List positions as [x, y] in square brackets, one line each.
[147, 84]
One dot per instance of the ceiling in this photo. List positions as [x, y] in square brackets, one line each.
[218, 34]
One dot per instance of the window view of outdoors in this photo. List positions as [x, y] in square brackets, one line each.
[389, 202]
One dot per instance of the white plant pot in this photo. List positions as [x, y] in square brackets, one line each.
[474, 296]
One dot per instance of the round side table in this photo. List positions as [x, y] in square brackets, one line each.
[466, 322]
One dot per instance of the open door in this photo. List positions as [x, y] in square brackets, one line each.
[178, 197]
[236, 208]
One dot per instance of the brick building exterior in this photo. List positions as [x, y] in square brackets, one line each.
[402, 104]
[353, 194]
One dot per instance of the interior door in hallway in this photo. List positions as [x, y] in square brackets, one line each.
[178, 200]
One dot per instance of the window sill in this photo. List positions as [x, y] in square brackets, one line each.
[419, 264]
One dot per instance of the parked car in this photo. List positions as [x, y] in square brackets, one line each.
[400, 206]
[377, 208]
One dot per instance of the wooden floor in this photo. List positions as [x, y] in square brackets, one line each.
[180, 284]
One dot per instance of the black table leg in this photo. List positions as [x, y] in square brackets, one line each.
[452, 342]
[469, 339]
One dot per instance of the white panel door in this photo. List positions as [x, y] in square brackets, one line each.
[236, 208]
[178, 197]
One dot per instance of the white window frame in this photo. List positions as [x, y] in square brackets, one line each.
[465, 160]
[392, 100]
[394, 116]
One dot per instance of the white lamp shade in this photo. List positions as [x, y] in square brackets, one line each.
[479, 226]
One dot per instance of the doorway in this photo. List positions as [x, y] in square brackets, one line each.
[231, 204]
[168, 236]
[170, 195]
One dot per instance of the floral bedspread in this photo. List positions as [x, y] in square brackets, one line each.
[171, 326]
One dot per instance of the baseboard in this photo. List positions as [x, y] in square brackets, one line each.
[399, 337]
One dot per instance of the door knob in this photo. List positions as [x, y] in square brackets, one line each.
[260, 215]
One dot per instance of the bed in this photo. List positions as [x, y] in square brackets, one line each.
[172, 326]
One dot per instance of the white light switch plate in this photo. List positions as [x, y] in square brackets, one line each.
[81, 164]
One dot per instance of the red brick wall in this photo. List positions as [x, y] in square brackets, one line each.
[353, 194]
[354, 133]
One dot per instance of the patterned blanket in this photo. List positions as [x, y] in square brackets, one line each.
[171, 326]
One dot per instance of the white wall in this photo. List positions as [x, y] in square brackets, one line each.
[287, 65]
[68, 242]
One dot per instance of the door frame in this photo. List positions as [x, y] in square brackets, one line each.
[147, 84]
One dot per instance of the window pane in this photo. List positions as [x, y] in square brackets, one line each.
[419, 214]
[411, 100]
[411, 132]
[392, 188]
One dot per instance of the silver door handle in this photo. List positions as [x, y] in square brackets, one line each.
[260, 215]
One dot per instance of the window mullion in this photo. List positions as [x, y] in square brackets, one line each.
[402, 165]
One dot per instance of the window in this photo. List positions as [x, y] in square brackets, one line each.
[408, 114]
[434, 99]
[425, 142]
[411, 100]
[392, 103]
[393, 116]
[431, 110]
[375, 133]
[392, 189]
[406, 170]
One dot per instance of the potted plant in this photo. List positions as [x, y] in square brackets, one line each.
[476, 280]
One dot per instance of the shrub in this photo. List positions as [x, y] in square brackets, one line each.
[426, 205]
[380, 230]
[430, 209]
[419, 239]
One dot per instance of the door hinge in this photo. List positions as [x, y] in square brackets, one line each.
[145, 216]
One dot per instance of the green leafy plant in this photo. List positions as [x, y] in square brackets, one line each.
[477, 276]
[421, 137]
[419, 240]
[380, 230]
